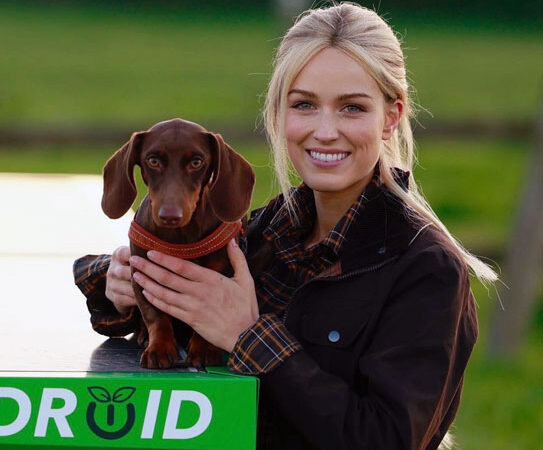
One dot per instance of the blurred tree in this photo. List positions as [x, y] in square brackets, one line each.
[524, 262]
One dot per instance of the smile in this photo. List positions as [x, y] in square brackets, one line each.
[327, 157]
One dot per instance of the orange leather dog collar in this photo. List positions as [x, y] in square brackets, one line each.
[213, 242]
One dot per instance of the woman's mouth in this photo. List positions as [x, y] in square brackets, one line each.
[327, 157]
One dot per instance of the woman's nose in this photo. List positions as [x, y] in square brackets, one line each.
[326, 128]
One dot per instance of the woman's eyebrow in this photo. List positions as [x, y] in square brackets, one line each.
[302, 92]
[342, 97]
[354, 95]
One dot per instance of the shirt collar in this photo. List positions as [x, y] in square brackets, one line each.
[282, 227]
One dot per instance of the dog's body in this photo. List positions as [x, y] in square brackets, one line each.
[196, 182]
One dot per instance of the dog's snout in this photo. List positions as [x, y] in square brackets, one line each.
[170, 215]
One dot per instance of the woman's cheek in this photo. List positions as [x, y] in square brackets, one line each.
[296, 128]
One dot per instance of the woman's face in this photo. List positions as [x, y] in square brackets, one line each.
[335, 121]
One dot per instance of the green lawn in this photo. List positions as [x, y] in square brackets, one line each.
[502, 407]
[84, 66]
[71, 68]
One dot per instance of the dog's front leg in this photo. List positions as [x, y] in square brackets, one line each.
[161, 351]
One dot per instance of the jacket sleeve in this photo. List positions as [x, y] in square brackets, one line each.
[413, 368]
[90, 277]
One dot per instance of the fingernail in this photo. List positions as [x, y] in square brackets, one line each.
[151, 254]
[233, 242]
[132, 260]
[137, 277]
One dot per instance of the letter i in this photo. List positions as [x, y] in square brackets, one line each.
[151, 413]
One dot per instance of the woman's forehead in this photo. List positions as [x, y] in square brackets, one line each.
[333, 71]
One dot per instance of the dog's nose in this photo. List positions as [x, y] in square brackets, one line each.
[170, 215]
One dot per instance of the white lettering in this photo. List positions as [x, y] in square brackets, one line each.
[150, 415]
[23, 401]
[58, 415]
[206, 411]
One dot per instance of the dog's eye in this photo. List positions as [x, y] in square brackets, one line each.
[196, 163]
[153, 161]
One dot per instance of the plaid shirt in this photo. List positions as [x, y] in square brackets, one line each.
[266, 344]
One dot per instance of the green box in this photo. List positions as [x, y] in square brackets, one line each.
[86, 410]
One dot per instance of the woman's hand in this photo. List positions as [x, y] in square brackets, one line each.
[119, 281]
[218, 308]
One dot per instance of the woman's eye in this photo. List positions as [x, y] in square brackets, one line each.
[353, 109]
[153, 161]
[302, 106]
[196, 163]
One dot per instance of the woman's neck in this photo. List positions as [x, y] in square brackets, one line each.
[330, 208]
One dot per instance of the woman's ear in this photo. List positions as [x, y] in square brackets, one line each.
[393, 114]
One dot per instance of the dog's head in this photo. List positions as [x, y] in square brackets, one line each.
[180, 161]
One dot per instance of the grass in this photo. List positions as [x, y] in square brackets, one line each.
[71, 68]
[77, 66]
[502, 399]
[475, 75]
[474, 186]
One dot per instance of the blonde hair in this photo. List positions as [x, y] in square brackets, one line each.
[364, 36]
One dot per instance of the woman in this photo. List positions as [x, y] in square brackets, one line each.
[354, 305]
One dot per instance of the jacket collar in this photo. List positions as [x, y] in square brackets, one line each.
[381, 232]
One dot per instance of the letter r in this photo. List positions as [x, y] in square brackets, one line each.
[58, 415]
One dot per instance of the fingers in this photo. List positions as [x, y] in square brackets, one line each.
[155, 289]
[118, 281]
[171, 302]
[238, 261]
[121, 254]
[182, 267]
[163, 276]
[119, 272]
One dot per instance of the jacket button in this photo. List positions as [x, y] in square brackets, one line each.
[334, 336]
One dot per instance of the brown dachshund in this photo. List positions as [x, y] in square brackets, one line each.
[197, 186]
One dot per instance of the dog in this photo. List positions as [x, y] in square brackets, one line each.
[198, 188]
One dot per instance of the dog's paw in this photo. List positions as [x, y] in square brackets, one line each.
[201, 353]
[143, 337]
[162, 356]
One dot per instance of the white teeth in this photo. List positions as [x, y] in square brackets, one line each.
[328, 156]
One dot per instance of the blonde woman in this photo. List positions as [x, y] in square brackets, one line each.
[352, 302]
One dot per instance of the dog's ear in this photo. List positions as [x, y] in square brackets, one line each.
[232, 181]
[119, 187]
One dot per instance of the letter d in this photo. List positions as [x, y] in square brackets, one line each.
[24, 410]
[206, 411]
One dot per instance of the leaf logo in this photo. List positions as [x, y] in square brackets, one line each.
[102, 395]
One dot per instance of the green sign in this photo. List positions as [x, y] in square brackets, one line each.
[158, 410]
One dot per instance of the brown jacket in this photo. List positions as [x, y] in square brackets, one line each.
[385, 343]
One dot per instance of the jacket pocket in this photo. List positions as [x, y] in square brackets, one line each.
[336, 328]
[331, 338]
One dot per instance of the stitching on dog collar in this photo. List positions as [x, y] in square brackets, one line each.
[211, 243]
